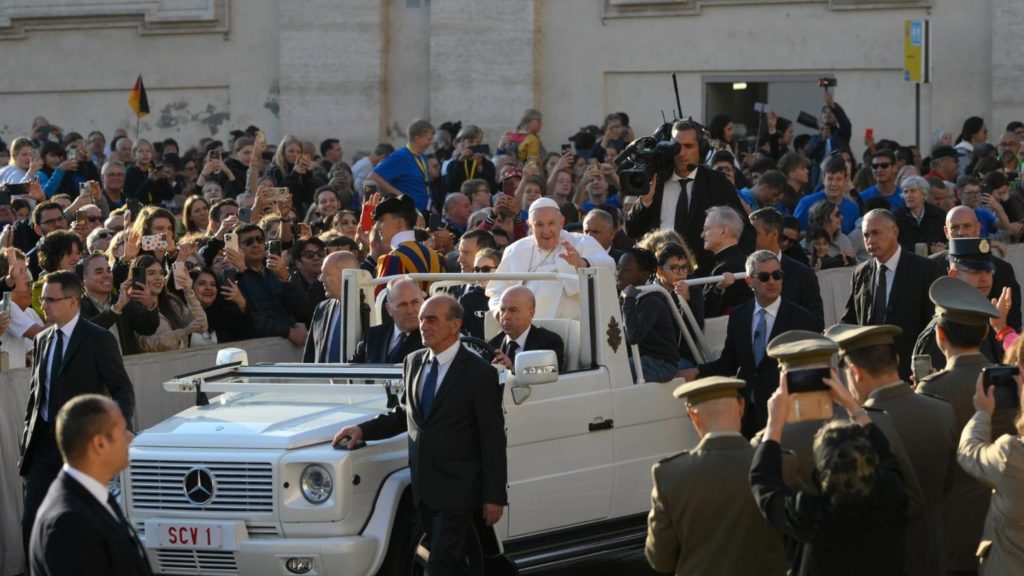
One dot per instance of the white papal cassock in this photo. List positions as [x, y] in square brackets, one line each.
[554, 299]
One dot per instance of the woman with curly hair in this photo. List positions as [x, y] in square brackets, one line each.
[856, 520]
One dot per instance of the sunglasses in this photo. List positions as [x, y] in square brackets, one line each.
[483, 269]
[765, 276]
[881, 165]
[253, 240]
[675, 268]
[311, 254]
[104, 235]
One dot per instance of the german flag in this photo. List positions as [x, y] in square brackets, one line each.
[137, 99]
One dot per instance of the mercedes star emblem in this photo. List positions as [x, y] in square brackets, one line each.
[199, 486]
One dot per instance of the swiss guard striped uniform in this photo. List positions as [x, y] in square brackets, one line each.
[408, 257]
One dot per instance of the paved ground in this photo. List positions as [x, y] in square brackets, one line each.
[630, 563]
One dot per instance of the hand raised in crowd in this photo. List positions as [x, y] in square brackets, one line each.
[182, 280]
[1003, 305]
[830, 100]
[171, 248]
[212, 166]
[196, 326]
[37, 163]
[305, 232]
[302, 165]
[778, 409]
[141, 294]
[375, 199]
[7, 238]
[35, 191]
[443, 240]
[234, 257]
[69, 165]
[186, 250]
[226, 225]
[506, 205]
[297, 334]
[277, 265]
[531, 169]
[132, 243]
[985, 400]
[124, 296]
[231, 293]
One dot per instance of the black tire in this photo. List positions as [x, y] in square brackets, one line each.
[406, 536]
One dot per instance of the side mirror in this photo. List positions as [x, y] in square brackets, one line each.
[536, 367]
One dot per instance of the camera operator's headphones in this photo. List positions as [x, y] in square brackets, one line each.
[703, 136]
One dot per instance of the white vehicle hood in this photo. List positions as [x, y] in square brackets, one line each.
[262, 420]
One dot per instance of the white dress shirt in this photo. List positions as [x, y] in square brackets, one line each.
[670, 198]
[66, 329]
[92, 486]
[521, 341]
[444, 360]
[769, 318]
[403, 236]
[890, 272]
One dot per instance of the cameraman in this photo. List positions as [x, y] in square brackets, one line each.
[679, 201]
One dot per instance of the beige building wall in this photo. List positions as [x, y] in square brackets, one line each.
[361, 70]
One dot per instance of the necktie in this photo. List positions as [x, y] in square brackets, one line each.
[124, 524]
[760, 336]
[429, 387]
[51, 372]
[878, 304]
[511, 350]
[395, 354]
[683, 210]
[334, 352]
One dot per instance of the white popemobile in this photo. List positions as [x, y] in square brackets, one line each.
[248, 483]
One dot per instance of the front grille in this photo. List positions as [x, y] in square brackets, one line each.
[197, 561]
[239, 486]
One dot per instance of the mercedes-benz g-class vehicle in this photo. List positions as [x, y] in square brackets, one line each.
[248, 483]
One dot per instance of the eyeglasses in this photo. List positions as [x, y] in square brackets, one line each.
[483, 269]
[48, 300]
[53, 221]
[311, 254]
[253, 240]
[765, 276]
[881, 165]
[675, 268]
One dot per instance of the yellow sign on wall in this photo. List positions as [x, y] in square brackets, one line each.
[914, 40]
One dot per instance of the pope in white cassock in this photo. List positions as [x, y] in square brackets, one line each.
[549, 249]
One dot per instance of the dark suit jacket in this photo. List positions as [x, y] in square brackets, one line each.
[134, 319]
[909, 306]
[719, 303]
[92, 365]
[709, 189]
[1003, 277]
[737, 359]
[929, 230]
[75, 534]
[316, 340]
[376, 342]
[457, 452]
[537, 339]
[800, 286]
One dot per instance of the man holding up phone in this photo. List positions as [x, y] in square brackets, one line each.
[963, 315]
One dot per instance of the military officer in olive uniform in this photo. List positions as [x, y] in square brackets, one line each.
[798, 350]
[926, 426]
[703, 518]
[970, 259]
[963, 316]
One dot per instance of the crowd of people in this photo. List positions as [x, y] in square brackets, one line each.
[180, 246]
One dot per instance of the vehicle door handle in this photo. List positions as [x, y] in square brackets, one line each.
[601, 424]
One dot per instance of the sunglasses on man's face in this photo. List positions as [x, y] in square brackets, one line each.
[253, 240]
[881, 166]
[766, 276]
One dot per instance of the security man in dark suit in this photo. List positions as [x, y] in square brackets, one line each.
[801, 285]
[751, 326]
[323, 341]
[711, 481]
[71, 357]
[962, 222]
[964, 315]
[390, 342]
[680, 200]
[451, 408]
[80, 528]
[971, 260]
[518, 332]
[892, 286]
[926, 425]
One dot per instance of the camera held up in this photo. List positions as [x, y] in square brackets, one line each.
[645, 158]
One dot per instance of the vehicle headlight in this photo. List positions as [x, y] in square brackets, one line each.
[316, 483]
